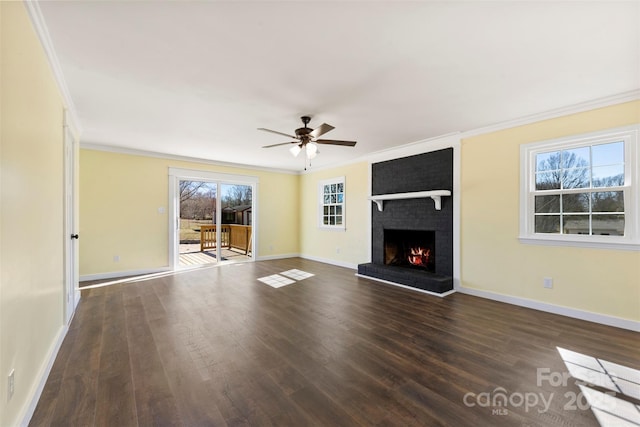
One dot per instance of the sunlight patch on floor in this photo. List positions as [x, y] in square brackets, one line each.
[285, 278]
[619, 405]
[296, 274]
[276, 281]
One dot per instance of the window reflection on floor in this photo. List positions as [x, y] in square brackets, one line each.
[612, 391]
[285, 278]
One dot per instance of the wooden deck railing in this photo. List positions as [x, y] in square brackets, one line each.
[232, 236]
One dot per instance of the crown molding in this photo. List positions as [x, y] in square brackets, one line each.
[441, 142]
[418, 147]
[330, 166]
[425, 145]
[157, 155]
[453, 139]
[607, 101]
[40, 27]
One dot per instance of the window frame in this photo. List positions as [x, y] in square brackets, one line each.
[321, 204]
[631, 238]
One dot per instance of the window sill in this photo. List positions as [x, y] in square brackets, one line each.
[325, 228]
[578, 243]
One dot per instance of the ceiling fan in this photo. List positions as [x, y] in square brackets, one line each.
[306, 138]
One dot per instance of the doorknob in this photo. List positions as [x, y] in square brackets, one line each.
[75, 236]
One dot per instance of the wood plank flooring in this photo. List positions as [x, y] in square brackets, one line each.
[216, 347]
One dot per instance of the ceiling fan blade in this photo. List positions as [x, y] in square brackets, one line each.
[336, 142]
[279, 133]
[282, 143]
[321, 130]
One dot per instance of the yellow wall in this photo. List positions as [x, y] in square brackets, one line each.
[31, 210]
[119, 199]
[349, 247]
[492, 259]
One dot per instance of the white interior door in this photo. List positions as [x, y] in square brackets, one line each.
[71, 294]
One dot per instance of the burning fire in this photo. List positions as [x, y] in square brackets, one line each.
[419, 256]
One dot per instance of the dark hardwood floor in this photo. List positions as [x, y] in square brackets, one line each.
[216, 347]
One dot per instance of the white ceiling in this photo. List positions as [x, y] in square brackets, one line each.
[197, 78]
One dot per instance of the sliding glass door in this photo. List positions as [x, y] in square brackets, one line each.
[212, 218]
[236, 219]
[197, 222]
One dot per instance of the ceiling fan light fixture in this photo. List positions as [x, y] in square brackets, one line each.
[312, 150]
[295, 150]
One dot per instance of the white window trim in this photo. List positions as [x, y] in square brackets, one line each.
[631, 239]
[321, 184]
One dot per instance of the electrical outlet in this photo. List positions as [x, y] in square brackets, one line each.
[116, 258]
[337, 250]
[547, 282]
[11, 383]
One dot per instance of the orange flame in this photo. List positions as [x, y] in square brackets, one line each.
[419, 256]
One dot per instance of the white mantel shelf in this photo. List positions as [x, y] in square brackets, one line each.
[434, 194]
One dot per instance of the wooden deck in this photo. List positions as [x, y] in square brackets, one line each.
[218, 347]
[197, 258]
[190, 255]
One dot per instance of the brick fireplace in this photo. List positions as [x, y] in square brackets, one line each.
[412, 240]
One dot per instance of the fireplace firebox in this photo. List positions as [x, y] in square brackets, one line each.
[410, 249]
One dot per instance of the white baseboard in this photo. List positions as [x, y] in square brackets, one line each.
[116, 274]
[589, 316]
[42, 377]
[435, 294]
[279, 256]
[331, 261]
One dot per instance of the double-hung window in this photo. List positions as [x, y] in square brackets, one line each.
[582, 190]
[332, 203]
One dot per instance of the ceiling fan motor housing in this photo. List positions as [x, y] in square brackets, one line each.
[304, 131]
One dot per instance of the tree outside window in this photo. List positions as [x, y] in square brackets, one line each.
[581, 189]
[332, 203]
